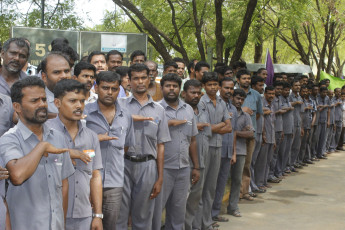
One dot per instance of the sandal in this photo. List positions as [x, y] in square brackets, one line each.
[220, 219]
[236, 213]
[247, 197]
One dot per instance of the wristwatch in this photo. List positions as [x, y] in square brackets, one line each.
[98, 215]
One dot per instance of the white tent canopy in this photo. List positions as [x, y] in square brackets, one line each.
[280, 68]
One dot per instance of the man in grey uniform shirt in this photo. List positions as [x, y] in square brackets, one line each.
[114, 126]
[220, 124]
[177, 152]
[331, 128]
[38, 165]
[85, 185]
[14, 54]
[338, 117]
[228, 157]
[55, 67]
[192, 94]
[324, 121]
[143, 176]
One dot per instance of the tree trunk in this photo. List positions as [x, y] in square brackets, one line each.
[219, 30]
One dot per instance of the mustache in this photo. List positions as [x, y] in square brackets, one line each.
[41, 109]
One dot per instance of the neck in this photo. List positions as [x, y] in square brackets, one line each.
[105, 108]
[212, 97]
[37, 129]
[296, 93]
[172, 104]
[152, 84]
[70, 125]
[224, 99]
[142, 98]
[8, 75]
[245, 89]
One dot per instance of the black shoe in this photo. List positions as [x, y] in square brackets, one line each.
[322, 157]
[309, 162]
[259, 190]
[294, 170]
[341, 149]
[298, 166]
[303, 164]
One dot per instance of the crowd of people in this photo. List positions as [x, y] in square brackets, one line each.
[92, 144]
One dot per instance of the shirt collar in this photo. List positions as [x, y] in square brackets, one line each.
[63, 127]
[206, 98]
[94, 107]
[26, 132]
[149, 102]
[179, 106]
[50, 95]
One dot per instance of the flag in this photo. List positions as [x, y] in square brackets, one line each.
[269, 68]
[336, 82]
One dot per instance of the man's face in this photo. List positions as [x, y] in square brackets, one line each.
[238, 101]
[304, 93]
[199, 74]
[125, 83]
[259, 87]
[86, 77]
[170, 69]
[229, 73]
[138, 59]
[290, 79]
[285, 78]
[304, 81]
[33, 108]
[330, 94]
[99, 62]
[114, 61]
[71, 106]
[286, 92]
[337, 93]
[14, 58]
[244, 81]
[171, 91]
[315, 91]
[180, 69]
[211, 88]
[153, 71]
[192, 96]
[296, 87]
[227, 89]
[107, 92]
[278, 90]
[269, 95]
[279, 78]
[323, 94]
[327, 83]
[343, 97]
[139, 82]
[263, 74]
[56, 70]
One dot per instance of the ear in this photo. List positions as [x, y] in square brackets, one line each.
[44, 77]
[74, 77]
[17, 107]
[96, 89]
[183, 94]
[57, 102]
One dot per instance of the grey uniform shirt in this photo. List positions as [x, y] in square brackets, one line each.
[6, 113]
[338, 113]
[5, 88]
[217, 114]
[244, 123]
[288, 119]
[307, 115]
[324, 113]
[147, 133]
[176, 151]
[332, 112]
[37, 202]
[260, 121]
[298, 109]
[50, 100]
[278, 122]
[79, 205]
[2, 204]
[314, 99]
[269, 123]
[203, 137]
[228, 138]
[254, 102]
[113, 150]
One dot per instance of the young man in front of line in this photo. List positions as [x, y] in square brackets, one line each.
[114, 126]
[85, 185]
[220, 124]
[177, 152]
[37, 161]
[143, 177]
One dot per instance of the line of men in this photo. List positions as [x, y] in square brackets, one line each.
[104, 159]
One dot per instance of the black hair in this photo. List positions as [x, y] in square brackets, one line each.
[303, 76]
[323, 89]
[304, 87]
[178, 59]
[260, 70]
[137, 68]
[286, 85]
[269, 88]
[170, 63]
[66, 49]
[239, 64]
[256, 79]
[201, 64]
[68, 85]
[277, 83]
[20, 42]
[239, 92]
[108, 76]
[93, 53]
[293, 82]
[191, 66]
[83, 65]
[336, 89]
[113, 52]
[242, 72]
[327, 80]
[322, 83]
[171, 77]
[18, 86]
[209, 76]
[59, 40]
[225, 79]
[343, 87]
[137, 53]
[190, 83]
[44, 62]
[122, 71]
[283, 73]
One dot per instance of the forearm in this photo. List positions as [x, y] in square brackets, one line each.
[226, 129]
[245, 134]
[96, 191]
[216, 127]
[160, 160]
[173, 122]
[52, 115]
[65, 196]
[193, 153]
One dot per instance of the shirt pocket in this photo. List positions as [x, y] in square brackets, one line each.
[120, 133]
[150, 129]
[187, 129]
[86, 168]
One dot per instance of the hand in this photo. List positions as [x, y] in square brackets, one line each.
[156, 189]
[201, 126]
[282, 135]
[105, 137]
[141, 118]
[334, 128]
[328, 124]
[3, 173]
[264, 140]
[49, 148]
[292, 108]
[195, 176]
[233, 159]
[300, 102]
[96, 224]
[247, 128]
[83, 116]
[274, 146]
[302, 132]
[174, 122]
[247, 110]
[76, 154]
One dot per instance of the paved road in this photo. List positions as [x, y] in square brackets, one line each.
[312, 199]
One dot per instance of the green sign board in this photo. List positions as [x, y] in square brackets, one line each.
[84, 42]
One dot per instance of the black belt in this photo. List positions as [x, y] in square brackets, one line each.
[139, 159]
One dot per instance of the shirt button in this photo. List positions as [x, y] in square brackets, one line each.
[76, 196]
[76, 182]
[49, 176]
[46, 161]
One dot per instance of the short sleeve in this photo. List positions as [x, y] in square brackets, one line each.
[163, 134]
[10, 148]
[67, 167]
[194, 127]
[130, 138]
[97, 160]
[249, 122]
[259, 105]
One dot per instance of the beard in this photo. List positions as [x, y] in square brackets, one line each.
[38, 119]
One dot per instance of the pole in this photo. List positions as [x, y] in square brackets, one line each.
[42, 13]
